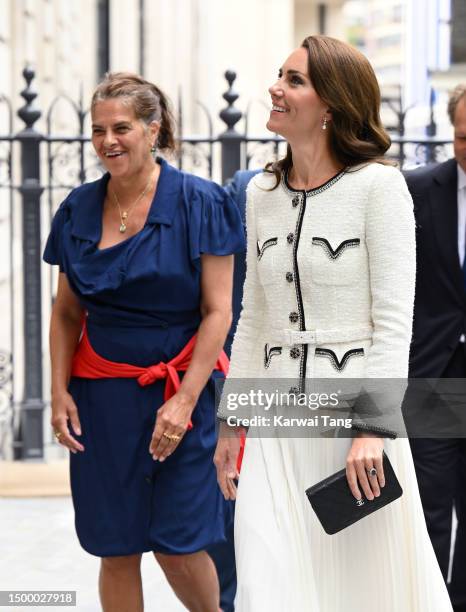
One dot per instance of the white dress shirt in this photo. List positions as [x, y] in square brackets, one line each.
[461, 219]
[461, 213]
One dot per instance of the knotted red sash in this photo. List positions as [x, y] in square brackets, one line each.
[88, 364]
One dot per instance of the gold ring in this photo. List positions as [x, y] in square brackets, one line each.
[57, 434]
[172, 437]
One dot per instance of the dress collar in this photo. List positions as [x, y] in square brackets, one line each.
[88, 202]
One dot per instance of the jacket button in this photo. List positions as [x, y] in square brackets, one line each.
[148, 479]
[295, 201]
[290, 238]
[294, 317]
[289, 277]
[295, 352]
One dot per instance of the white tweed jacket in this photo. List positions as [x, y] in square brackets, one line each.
[329, 287]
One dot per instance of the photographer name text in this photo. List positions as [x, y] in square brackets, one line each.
[320, 420]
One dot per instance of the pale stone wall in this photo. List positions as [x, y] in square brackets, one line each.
[306, 19]
[207, 38]
[58, 38]
[124, 35]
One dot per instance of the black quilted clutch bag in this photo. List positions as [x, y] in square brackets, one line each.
[337, 508]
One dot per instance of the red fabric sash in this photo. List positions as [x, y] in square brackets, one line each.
[88, 364]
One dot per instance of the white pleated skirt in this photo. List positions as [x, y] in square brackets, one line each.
[285, 560]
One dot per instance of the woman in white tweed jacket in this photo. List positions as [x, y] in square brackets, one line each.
[329, 293]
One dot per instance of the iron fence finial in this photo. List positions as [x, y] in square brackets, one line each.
[230, 115]
[29, 113]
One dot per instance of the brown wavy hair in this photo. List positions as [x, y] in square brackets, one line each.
[344, 80]
[146, 99]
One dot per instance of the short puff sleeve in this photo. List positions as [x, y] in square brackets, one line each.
[215, 225]
[53, 252]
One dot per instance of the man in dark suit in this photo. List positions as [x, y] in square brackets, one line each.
[438, 349]
[223, 554]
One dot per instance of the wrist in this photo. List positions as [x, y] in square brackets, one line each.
[368, 441]
[367, 434]
[227, 430]
[58, 392]
[187, 400]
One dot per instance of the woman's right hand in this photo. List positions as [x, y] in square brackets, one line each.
[226, 458]
[64, 410]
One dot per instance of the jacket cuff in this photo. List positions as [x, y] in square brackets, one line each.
[380, 431]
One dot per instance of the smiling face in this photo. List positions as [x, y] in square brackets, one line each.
[459, 125]
[121, 140]
[297, 111]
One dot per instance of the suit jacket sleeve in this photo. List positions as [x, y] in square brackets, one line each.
[236, 189]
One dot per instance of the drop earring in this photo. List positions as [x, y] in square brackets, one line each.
[324, 123]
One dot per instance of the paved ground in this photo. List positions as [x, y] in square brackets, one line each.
[39, 550]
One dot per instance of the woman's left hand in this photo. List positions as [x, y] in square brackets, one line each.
[366, 453]
[170, 426]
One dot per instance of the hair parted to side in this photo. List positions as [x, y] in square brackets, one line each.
[344, 80]
[147, 100]
[455, 96]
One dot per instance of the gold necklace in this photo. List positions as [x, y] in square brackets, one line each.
[124, 215]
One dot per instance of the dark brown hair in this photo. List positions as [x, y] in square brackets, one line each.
[344, 80]
[455, 96]
[146, 99]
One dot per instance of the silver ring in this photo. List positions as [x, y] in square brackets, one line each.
[372, 472]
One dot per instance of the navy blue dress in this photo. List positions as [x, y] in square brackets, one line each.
[142, 297]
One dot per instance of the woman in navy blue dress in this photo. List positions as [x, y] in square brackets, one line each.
[145, 256]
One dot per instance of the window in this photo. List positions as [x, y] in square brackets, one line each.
[391, 40]
[397, 14]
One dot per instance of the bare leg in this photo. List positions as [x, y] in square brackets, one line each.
[120, 585]
[194, 580]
